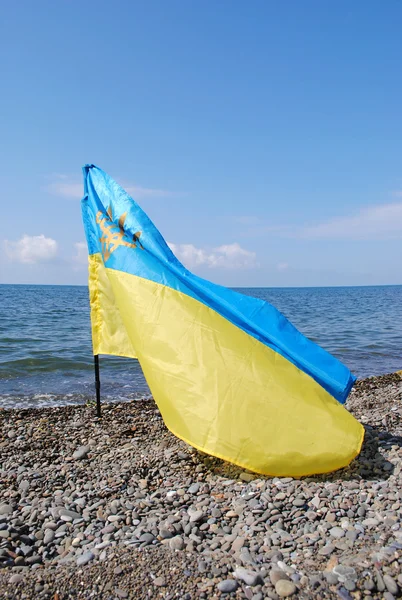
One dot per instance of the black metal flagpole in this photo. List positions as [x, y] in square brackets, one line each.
[97, 386]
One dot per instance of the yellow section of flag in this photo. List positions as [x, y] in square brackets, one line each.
[109, 334]
[220, 389]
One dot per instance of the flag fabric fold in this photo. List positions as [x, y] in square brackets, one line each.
[229, 373]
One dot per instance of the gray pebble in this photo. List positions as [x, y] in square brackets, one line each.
[343, 594]
[284, 588]
[5, 509]
[16, 578]
[326, 550]
[176, 543]
[81, 452]
[391, 584]
[85, 558]
[337, 532]
[345, 573]
[194, 488]
[276, 575]
[350, 585]
[331, 578]
[227, 586]
[148, 538]
[196, 516]
[250, 578]
[49, 536]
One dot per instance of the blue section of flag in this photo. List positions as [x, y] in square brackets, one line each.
[153, 260]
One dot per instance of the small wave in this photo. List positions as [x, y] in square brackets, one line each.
[46, 364]
[8, 401]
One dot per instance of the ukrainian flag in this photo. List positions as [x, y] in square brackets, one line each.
[230, 375]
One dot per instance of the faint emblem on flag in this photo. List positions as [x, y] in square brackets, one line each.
[114, 235]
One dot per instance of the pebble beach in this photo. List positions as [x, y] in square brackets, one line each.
[120, 508]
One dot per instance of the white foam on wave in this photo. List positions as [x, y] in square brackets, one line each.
[9, 401]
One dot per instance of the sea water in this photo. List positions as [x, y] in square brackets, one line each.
[46, 352]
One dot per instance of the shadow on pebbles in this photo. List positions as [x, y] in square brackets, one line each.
[120, 508]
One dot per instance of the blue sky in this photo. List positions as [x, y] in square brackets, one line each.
[263, 138]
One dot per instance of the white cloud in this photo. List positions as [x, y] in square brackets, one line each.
[381, 221]
[374, 222]
[137, 191]
[283, 266]
[66, 189]
[62, 185]
[31, 249]
[81, 253]
[230, 256]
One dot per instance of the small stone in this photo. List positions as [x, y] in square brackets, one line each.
[114, 518]
[69, 515]
[284, 567]
[276, 575]
[326, 550]
[379, 581]
[81, 452]
[176, 543]
[34, 559]
[5, 509]
[350, 585]
[49, 536]
[227, 586]
[165, 534]
[337, 532]
[331, 578]
[148, 538]
[24, 486]
[285, 588]
[121, 593]
[16, 578]
[193, 489]
[85, 558]
[202, 566]
[370, 522]
[391, 584]
[250, 578]
[345, 573]
[344, 594]
[108, 529]
[247, 477]
[160, 582]
[196, 516]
